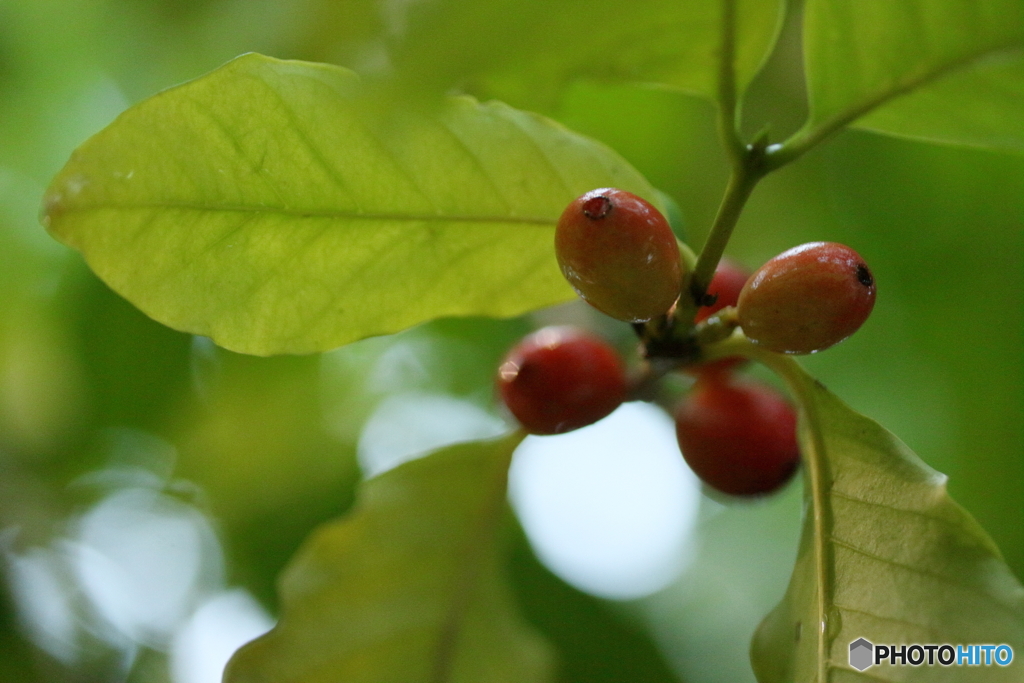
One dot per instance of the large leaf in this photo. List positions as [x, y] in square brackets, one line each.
[958, 63]
[885, 555]
[408, 589]
[273, 207]
[528, 50]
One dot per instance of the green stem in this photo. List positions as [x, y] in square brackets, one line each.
[747, 169]
[742, 182]
[727, 85]
[784, 366]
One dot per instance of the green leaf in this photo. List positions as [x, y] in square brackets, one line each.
[527, 51]
[276, 208]
[951, 68]
[409, 588]
[885, 555]
[982, 106]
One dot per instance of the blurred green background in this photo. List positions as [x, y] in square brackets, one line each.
[95, 398]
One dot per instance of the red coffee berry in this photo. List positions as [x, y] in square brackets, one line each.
[738, 438]
[807, 299]
[559, 379]
[619, 254]
[725, 285]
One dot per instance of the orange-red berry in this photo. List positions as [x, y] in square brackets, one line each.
[559, 379]
[739, 438]
[619, 253]
[807, 299]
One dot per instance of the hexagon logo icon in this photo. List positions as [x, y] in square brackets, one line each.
[860, 654]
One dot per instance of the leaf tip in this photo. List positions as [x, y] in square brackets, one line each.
[54, 205]
[59, 194]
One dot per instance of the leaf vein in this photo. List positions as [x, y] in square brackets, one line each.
[478, 163]
[884, 506]
[277, 270]
[542, 150]
[407, 173]
[928, 629]
[303, 213]
[941, 578]
[364, 265]
[303, 134]
[204, 110]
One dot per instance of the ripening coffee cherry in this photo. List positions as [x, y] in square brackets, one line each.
[559, 379]
[725, 286]
[738, 438]
[619, 254]
[807, 299]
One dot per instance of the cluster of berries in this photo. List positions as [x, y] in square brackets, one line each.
[620, 255]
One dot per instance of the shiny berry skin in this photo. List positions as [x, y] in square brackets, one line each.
[619, 253]
[559, 379]
[807, 299]
[739, 438]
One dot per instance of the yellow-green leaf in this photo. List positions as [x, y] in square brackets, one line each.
[277, 208]
[529, 50]
[947, 70]
[885, 555]
[409, 588]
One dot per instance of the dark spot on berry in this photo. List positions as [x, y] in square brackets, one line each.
[864, 275]
[597, 207]
[709, 300]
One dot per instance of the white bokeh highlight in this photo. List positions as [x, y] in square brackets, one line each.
[411, 424]
[221, 625]
[609, 508]
[41, 590]
[143, 559]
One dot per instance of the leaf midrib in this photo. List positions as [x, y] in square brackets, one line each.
[816, 465]
[912, 82]
[307, 213]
